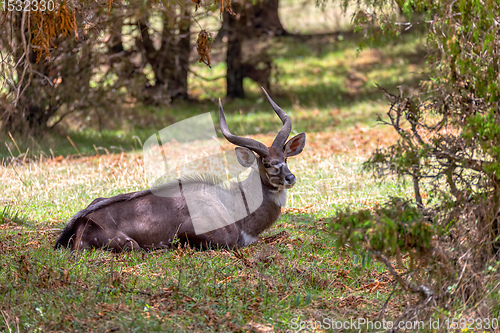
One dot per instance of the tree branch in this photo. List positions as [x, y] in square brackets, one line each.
[424, 291]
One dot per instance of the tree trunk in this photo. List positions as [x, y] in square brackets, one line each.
[170, 62]
[234, 75]
[177, 84]
[32, 105]
[252, 21]
[263, 19]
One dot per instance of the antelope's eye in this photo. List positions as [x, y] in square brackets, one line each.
[267, 165]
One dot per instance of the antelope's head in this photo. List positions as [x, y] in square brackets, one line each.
[271, 160]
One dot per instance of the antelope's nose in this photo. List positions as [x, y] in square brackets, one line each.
[290, 179]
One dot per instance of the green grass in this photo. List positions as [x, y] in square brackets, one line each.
[49, 290]
[328, 87]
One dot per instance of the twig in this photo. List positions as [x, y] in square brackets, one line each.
[6, 320]
[407, 312]
[416, 187]
[73, 144]
[382, 310]
[19, 151]
[237, 253]
[207, 79]
[424, 291]
[187, 11]
[19, 61]
[62, 117]
[44, 76]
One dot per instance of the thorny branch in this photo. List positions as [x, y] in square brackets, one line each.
[424, 291]
[443, 151]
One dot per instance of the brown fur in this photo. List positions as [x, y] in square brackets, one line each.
[143, 220]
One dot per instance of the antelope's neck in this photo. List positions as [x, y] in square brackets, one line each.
[278, 197]
[267, 212]
[275, 194]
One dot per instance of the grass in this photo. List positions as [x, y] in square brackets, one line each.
[292, 276]
[159, 288]
[328, 87]
[298, 274]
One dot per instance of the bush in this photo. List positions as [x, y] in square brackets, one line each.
[395, 229]
[449, 145]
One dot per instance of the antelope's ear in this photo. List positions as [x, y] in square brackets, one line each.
[295, 145]
[245, 156]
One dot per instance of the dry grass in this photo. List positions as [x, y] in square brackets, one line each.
[328, 171]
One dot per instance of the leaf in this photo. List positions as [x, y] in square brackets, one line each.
[203, 47]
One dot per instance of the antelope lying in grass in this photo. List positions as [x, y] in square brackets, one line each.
[145, 220]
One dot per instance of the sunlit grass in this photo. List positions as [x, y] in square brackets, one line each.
[311, 16]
